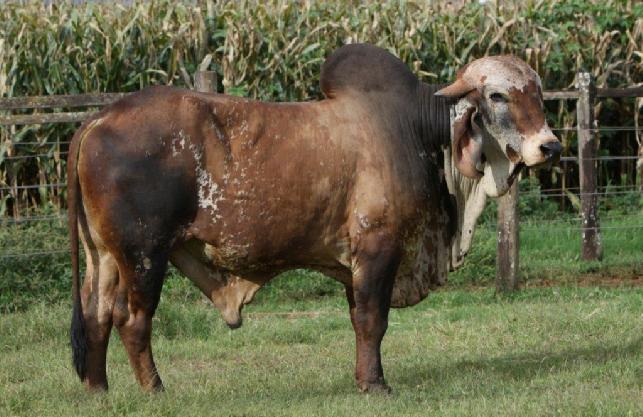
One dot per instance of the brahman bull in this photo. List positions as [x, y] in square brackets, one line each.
[364, 186]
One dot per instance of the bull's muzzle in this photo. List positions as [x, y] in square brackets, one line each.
[541, 149]
[551, 151]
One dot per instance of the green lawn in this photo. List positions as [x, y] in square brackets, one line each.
[571, 351]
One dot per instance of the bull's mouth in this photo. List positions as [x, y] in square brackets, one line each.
[519, 166]
[514, 172]
[547, 164]
[480, 164]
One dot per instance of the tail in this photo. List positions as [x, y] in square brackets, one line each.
[77, 331]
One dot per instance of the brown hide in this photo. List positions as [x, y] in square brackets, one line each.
[234, 191]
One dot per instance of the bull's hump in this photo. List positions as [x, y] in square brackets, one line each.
[364, 69]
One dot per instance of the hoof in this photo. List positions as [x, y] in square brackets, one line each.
[155, 387]
[97, 389]
[95, 386]
[379, 388]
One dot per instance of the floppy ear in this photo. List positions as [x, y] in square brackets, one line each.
[467, 140]
[459, 88]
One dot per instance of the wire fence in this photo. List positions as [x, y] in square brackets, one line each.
[36, 156]
[49, 230]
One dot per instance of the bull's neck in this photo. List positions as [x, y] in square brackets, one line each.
[433, 118]
[435, 129]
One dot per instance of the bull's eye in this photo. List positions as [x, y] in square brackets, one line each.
[498, 98]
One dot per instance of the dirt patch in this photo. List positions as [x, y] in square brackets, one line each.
[627, 279]
[590, 280]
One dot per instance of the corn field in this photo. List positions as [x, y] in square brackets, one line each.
[273, 50]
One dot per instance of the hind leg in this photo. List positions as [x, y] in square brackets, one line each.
[97, 295]
[138, 295]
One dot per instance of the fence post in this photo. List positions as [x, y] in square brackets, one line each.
[591, 248]
[205, 81]
[507, 257]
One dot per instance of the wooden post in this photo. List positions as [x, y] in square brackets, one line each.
[591, 248]
[507, 257]
[563, 198]
[205, 81]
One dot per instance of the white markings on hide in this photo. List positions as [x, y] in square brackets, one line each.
[178, 143]
[209, 192]
[363, 221]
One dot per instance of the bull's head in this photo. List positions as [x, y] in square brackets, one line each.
[500, 123]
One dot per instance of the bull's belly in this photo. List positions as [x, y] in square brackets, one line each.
[262, 261]
[236, 258]
[260, 235]
[424, 265]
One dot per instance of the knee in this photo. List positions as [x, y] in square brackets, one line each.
[138, 323]
[371, 324]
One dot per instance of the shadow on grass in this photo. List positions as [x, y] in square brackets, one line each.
[511, 368]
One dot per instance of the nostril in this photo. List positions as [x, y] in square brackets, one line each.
[551, 150]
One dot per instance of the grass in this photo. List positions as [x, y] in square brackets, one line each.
[550, 242]
[546, 351]
[550, 252]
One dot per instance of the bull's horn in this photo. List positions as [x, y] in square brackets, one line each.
[458, 89]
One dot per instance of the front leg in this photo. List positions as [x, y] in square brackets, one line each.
[369, 300]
